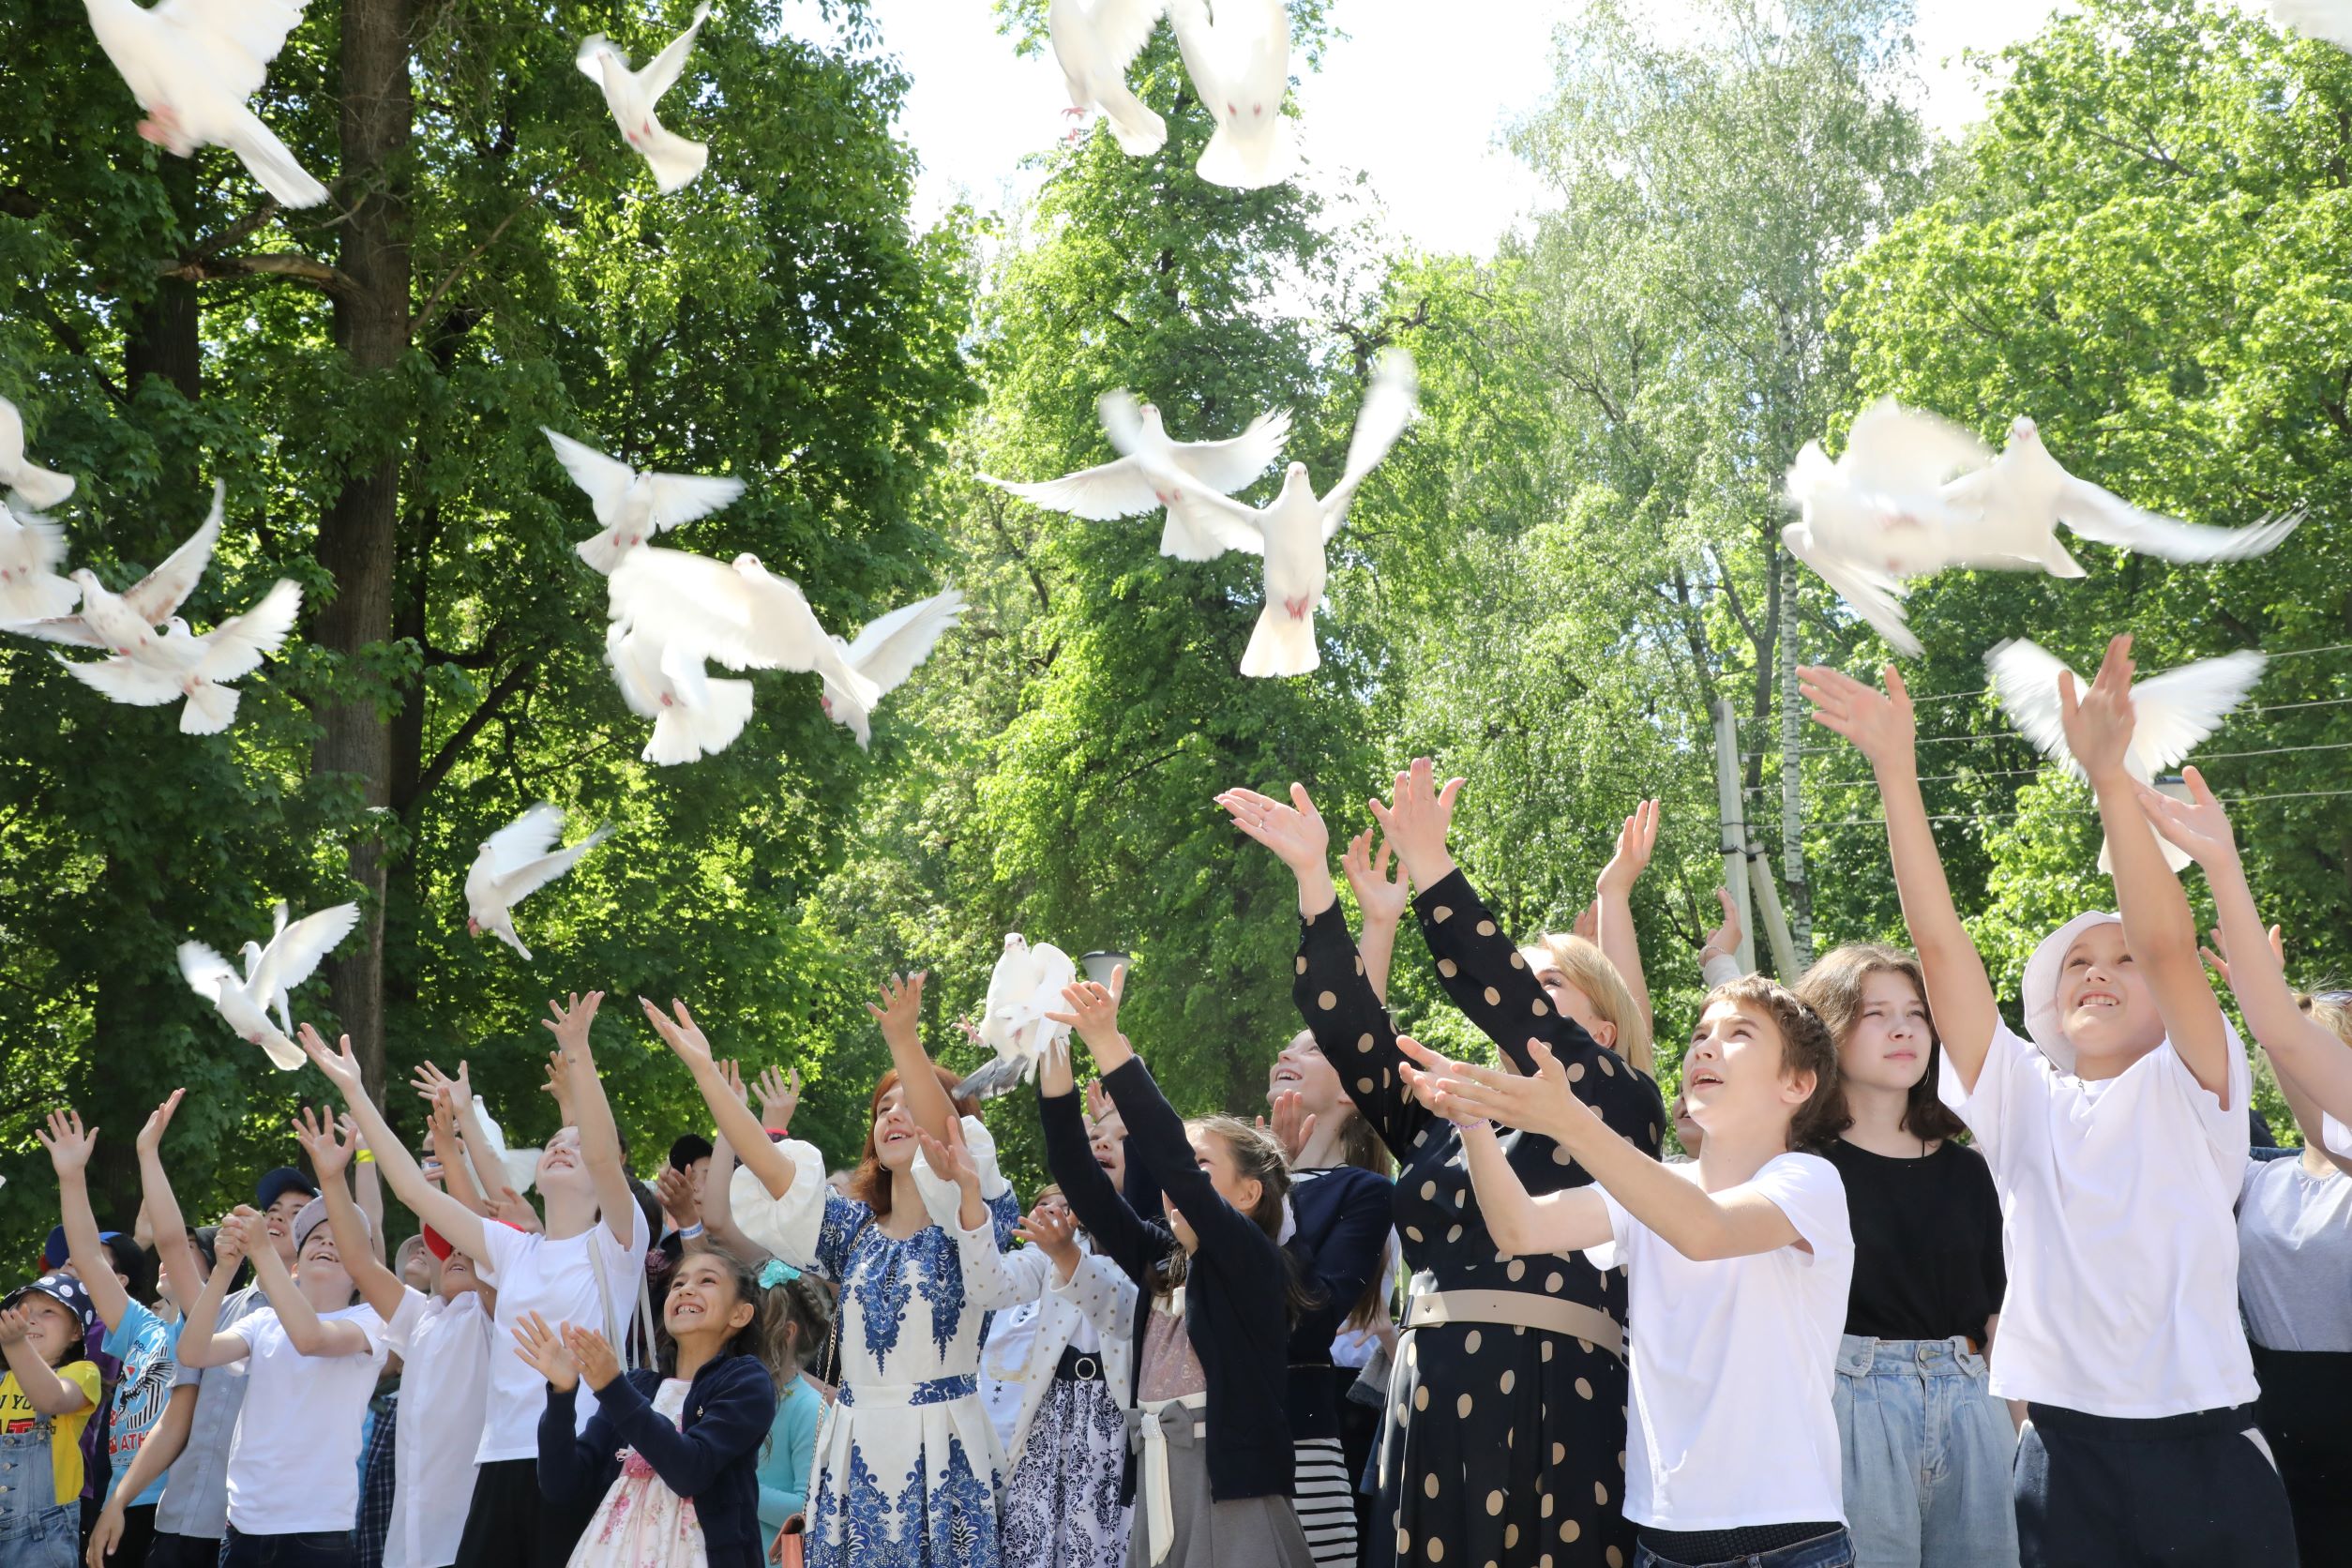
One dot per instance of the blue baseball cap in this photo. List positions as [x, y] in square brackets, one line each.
[280, 1181]
[54, 1252]
[63, 1289]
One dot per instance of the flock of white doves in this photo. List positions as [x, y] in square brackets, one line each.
[1910, 496]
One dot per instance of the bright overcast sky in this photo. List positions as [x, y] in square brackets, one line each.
[1417, 106]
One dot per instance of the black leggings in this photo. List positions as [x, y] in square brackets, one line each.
[2304, 1395]
[512, 1525]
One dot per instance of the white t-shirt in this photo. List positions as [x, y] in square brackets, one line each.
[556, 1280]
[2116, 1225]
[1722, 1353]
[445, 1351]
[293, 1465]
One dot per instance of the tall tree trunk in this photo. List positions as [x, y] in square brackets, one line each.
[1792, 800]
[358, 538]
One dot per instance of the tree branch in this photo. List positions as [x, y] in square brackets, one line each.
[449, 279]
[275, 263]
[447, 758]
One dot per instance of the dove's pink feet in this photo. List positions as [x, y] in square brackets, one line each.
[825, 704]
[161, 126]
[1297, 608]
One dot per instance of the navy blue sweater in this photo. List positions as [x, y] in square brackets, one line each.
[1236, 1289]
[1343, 1217]
[712, 1457]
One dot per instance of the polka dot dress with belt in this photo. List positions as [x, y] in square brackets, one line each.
[1506, 1444]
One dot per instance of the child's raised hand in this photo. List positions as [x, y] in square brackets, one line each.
[541, 1347]
[570, 1024]
[1544, 1103]
[950, 1156]
[1724, 939]
[675, 1189]
[2218, 955]
[1053, 1231]
[151, 1136]
[431, 1084]
[341, 1065]
[1295, 831]
[1636, 843]
[1879, 724]
[2198, 827]
[901, 1014]
[1418, 816]
[779, 1098]
[2098, 720]
[1094, 1012]
[685, 1040]
[592, 1352]
[1294, 1124]
[14, 1326]
[325, 1142]
[1588, 923]
[1381, 896]
[232, 1239]
[70, 1147]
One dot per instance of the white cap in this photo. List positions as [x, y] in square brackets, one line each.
[2043, 1022]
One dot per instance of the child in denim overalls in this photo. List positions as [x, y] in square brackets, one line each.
[51, 1392]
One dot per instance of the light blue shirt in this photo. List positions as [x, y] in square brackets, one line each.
[146, 1345]
[792, 1449]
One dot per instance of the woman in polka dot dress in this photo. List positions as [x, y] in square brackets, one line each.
[1507, 1442]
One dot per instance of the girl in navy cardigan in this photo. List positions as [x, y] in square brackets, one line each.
[1210, 1444]
[673, 1453]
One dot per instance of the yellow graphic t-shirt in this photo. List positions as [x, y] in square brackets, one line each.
[17, 1414]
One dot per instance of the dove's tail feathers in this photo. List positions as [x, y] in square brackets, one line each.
[859, 722]
[40, 488]
[1141, 132]
[999, 1077]
[601, 553]
[2176, 859]
[1181, 541]
[210, 709]
[684, 734]
[2057, 563]
[1283, 644]
[41, 597]
[1250, 162]
[274, 167]
[504, 930]
[284, 1054]
[674, 160]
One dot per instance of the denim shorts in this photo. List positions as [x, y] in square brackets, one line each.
[1833, 1550]
[1926, 1452]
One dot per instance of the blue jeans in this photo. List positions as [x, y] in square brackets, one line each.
[1833, 1550]
[1926, 1455]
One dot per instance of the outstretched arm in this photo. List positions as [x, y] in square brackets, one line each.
[69, 1150]
[437, 1090]
[460, 1225]
[49, 1394]
[200, 1345]
[1699, 1225]
[600, 1138]
[2158, 930]
[330, 1150]
[1382, 898]
[306, 1331]
[901, 1018]
[1613, 893]
[2309, 1057]
[1959, 993]
[729, 1114]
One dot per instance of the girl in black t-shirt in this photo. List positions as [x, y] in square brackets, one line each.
[1926, 1447]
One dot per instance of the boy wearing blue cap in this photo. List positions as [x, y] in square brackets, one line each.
[49, 1396]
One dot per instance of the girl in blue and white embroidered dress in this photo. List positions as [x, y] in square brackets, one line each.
[907, 1465]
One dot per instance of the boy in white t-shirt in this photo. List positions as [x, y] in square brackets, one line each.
[2118, 1147]
[1737, 1265]
[585, 1269]
[312, 1356]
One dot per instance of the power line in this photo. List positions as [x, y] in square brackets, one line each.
[2074, 811]
[2029, 772]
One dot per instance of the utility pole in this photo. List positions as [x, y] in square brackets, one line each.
[1734, 835]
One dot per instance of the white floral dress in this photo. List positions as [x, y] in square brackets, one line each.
[908, 1466]
[642, 1523]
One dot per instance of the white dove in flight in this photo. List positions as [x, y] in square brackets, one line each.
[191, 65]
[1122, 488]
[1291, 530]
[2024, 489]
[740, 615]
[2326, 20]
[1877, 516]
[887, 651]
[1240, 66]
[632, 508]
[270, 972]
[1095, 41]
[517, 1168]
[513, 864]
[182, 665]
[1025, 985]
[693, 715]
[32, 549]
[2171, 712]
[36, 488]
[631, 96]
[125, 624]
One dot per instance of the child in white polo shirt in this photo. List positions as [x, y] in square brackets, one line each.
[2117, 1140]
[1737, 1265]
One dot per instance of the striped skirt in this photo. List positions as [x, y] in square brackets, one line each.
[1324, 1496]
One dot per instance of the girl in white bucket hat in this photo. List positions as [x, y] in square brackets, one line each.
[2118, 1146]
